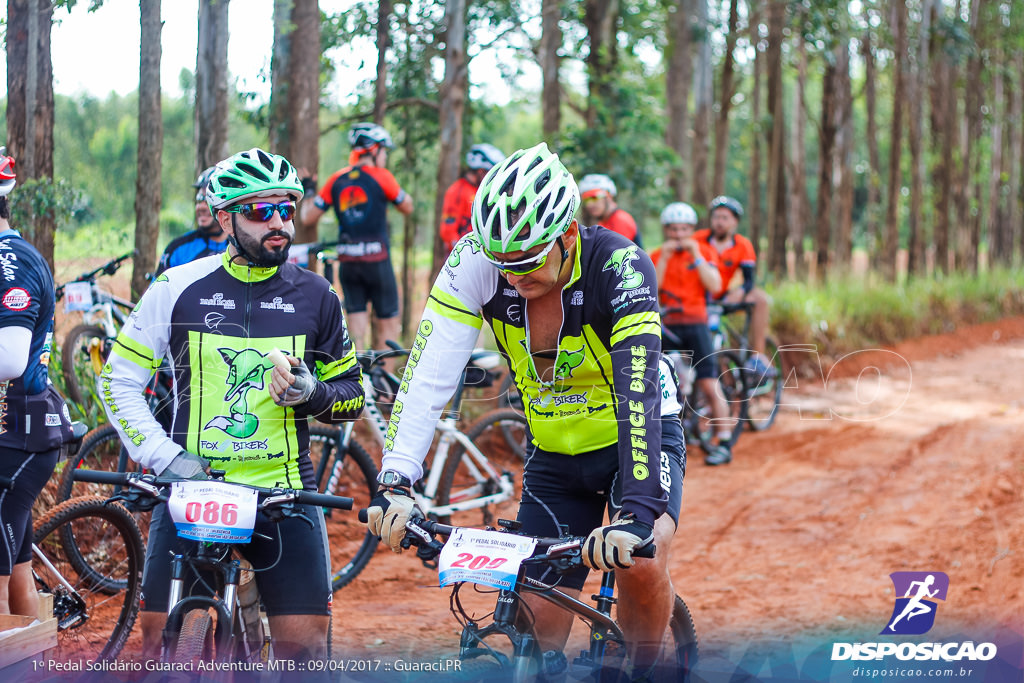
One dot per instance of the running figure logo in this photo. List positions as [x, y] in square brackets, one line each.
[914, 613]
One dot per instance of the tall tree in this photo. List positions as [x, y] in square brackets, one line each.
[891, 240]
[295, 90]
[872, 208]
[942, 110]
[727, 91]
[551, 87]
[601, 18]
[777, 214]
[211, 111]
[151, 142]
[844, 158]
[969, 217]
[452, 101]
[30, 106]
[703, 102]
[756, 131]
[678, 76]
[916, 243]
[1015, 154]
[380, 97]
[799, 203]
[829, 128]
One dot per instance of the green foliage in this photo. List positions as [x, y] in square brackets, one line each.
[39, 198]
[855, 313]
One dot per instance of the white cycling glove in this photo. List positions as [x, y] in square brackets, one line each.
[611, 547]
[186, 466]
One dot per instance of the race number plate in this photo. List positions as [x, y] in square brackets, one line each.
[487, 558]
[77, 296]
[213, 511]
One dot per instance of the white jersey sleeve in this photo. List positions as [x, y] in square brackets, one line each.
[444, 341]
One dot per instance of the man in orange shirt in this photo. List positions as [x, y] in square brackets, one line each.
[458, 199]
[360, 194]
[597, 197]
[688, 271]
[736, 252]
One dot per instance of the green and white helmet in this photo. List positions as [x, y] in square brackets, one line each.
[250, 174]
[527, 199]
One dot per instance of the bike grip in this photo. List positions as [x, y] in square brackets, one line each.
[363, 516]
[324, 500]
[100, 477]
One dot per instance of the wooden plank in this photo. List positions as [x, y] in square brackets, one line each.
[18, 642]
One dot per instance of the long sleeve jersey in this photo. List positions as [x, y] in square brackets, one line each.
[605, 386]
[215, 322]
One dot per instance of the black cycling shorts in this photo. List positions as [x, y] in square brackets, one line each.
[697, 340]
[370, 282]
[574, 490]
[297, 581]
[22, 476]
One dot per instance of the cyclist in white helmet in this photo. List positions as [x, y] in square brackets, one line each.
[458, 199]
[598, 193]
[575, 312]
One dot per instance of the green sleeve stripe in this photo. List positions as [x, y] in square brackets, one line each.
[122, 351]
[448, 306]
[636, 324]
[339, 367]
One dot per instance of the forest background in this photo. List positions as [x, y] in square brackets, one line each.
[877, 145]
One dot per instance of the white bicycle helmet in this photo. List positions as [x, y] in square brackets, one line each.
[367, 135]
[526, 200]
[596, 183]
[483, 156]
[679, 212]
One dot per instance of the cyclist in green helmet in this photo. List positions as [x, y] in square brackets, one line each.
[574, 310]
[217, 322]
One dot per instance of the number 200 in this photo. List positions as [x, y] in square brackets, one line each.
[478, 562]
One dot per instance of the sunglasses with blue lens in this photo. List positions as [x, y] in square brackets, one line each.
[524, 267]
[262, 212]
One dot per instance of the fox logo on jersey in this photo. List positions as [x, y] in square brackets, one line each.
[246, 370]
[621, 263]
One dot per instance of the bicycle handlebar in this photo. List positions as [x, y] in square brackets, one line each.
[108, 268]
[152, 485]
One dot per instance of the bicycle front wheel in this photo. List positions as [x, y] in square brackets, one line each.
[465, 481]
[81, 345]
[506, 424]
[92, 623]
[766, 392]
[350, 472]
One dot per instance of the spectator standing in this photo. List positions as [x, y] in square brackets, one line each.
[34, 421]
[457, 210]
[360, 194]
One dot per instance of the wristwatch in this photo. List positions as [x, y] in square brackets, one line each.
[391, 478]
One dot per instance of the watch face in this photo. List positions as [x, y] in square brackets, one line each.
[391, 478]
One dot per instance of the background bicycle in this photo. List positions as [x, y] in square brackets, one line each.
[507, 648]
[85, 346]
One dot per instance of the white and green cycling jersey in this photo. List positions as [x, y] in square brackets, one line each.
[215, 322]
[605, 387]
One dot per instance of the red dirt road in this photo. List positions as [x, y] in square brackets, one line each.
[906, 460]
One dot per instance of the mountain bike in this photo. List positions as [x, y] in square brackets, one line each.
[507, 648]
[214, 516]
[86, 346]
[763, 393]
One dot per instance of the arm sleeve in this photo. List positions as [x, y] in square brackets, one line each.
[748, 277]
[338, 395]
[748, 263]
[136, 354]
[444, 341]
[14, 347]
[635, 352]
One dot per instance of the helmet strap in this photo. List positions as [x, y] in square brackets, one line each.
[250, 260]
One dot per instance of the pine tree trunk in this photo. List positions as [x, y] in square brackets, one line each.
[151, 143]
[703, 101]
[799, 202]
[890, 244]
[753, 211]
[211, 113]
[844, 236]
[678, 77]
[777, 214]
[917, 238]
[551, 89]
[725, 100]
[872, 209]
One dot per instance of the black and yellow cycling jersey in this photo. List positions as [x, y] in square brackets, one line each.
[215, 323]
[604, 388]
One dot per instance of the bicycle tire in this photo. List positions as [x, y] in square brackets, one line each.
[763, 405]
[76, 363]
[352, 546]
[512, 425]
[195, 640]
[457, 483]
[508, 393]
[100, 450]
[115, 538]
[696, 414]
[683, 644]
